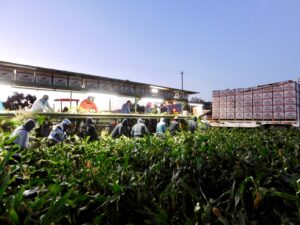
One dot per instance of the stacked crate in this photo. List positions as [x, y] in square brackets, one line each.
[290, 101]
[239, 103]
[230, 104]
[267, 102]
[257, 103]
[272, 102]
[248, 103]
[223, 104]
[278, 103]
[216, 105]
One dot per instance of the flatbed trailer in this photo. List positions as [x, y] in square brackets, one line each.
[251, 124]
[270, 104]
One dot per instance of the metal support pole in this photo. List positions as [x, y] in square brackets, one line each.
[181, 80]
[70, 100]
[135, 105]
[109, 105]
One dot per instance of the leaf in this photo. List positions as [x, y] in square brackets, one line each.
[57, 210]
[14, 217]
[5, 181]
[257, 200]
[31, 192]
[18, 198]
[282, 195]
[237, 198]
[189, 190]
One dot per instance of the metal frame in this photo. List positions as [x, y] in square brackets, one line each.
[62, 115]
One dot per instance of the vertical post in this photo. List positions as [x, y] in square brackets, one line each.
[181, 80]
[70, 100]
[298, 100]
[109, 105]
[135, 104]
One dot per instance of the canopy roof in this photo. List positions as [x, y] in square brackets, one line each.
[39, 77]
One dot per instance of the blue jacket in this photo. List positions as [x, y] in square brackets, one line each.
[21, 134]
[125, 108]
[161, 126]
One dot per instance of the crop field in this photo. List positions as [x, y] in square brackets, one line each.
[215, 176]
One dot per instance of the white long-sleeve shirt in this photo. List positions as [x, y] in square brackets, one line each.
[41, 105]
[22, 137]
[57, 133]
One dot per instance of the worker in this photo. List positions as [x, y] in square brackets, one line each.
[88, 105]
[174, 126]
[126, 107]
[204, 124]
[20, 135]
[192, 124]
[58, 132]
[41, 105]
[148, 108]
[164, 108]
[44, 128]
[65, 109]
[120, 129]
[139, 129]
[88, 130]
[161, 127]
[1, 106]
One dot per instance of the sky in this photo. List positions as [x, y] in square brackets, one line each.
[218, 44]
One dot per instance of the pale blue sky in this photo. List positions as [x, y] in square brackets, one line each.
[218, 44]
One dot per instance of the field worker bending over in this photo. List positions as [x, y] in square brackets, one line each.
[42, 105]
[120, 129]
[88, 105]
[139, 129]
[88, 129]
[192, 124]
[161, 127]
[21, 134]
[58, 132]
[174, 126]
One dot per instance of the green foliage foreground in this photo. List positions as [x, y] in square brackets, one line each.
[218, 176]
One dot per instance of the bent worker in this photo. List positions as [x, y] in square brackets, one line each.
[161, 127]
[41, 105]
[174, 126]
[88, 105]
[139, 129]
[58, 132]
[21, 134]
[192, 125]
[120, 129]
[88, 130]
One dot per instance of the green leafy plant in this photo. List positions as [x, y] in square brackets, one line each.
[215, 176]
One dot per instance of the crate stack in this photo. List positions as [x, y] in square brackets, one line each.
[239, 103]
[216, 105]
[278, 103]
[272, 102]
[257, 103]
[267, 102]
[248, 103]
[223, 104]
[290, 101]
[230, 104]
